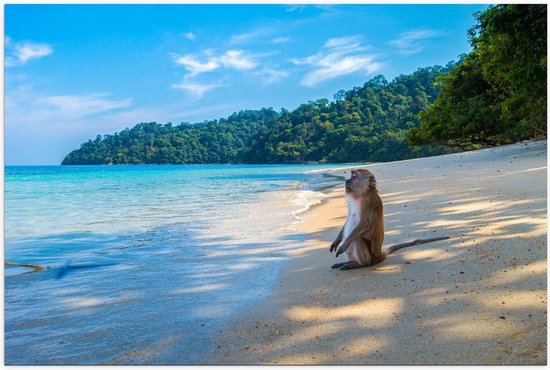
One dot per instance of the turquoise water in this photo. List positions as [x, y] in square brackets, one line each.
[144, 262]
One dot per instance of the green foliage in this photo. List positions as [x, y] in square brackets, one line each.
[217, 141]
[366, 123]
[362, 124]
[498, 93]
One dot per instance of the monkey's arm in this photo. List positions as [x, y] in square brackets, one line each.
[352, 236]
[338, 240]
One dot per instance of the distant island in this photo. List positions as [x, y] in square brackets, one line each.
[495, 94]
[367, 123]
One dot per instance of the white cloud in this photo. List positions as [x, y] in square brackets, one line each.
[412, 42]
[346, 42]
[246, 37]
[209, 61]
[295, 7]
[10, 61]
[339, 57]
[236, 59]
[231, 59]
[15, 96]
[25, 107]
[190, 36]
[265, 34]
[270, 76]
[281, 40]
[75, 106]
[42, 129]
[195, 90]
[195, 67]
[302, 7]
[331, 67]
[19, 53]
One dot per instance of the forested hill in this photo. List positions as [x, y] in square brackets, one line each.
[496, 94]
[366, 123]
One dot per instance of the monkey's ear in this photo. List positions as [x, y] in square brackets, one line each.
[372, 180]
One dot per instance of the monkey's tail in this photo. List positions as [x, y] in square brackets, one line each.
[399, 246]
[34, 267]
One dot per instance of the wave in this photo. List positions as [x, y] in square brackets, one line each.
[306, 199]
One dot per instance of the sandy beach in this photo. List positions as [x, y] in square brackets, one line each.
[478, 298]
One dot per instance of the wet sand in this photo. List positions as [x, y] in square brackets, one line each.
[478, 298]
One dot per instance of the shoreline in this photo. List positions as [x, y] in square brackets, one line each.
[477, 298]
[209, 273]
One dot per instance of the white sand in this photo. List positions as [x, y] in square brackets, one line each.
[478, 298]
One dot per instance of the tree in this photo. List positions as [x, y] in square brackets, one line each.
[498, 93]
[363, 124]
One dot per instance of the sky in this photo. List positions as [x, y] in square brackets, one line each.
[75, 71]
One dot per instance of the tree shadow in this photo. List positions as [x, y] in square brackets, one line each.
[478, 298]
[473, 299]
[151, 285]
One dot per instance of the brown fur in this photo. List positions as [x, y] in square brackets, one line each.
[369, 243]
[363, 244]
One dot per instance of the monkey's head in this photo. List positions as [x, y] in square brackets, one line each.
[360, 182]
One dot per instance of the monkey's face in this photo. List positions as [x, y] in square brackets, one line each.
[359, 182]
[353, 183]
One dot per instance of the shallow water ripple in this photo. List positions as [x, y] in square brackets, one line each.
[144, 262]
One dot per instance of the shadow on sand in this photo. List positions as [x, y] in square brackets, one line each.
[478, 298]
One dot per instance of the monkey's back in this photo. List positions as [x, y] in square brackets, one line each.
[369, 246]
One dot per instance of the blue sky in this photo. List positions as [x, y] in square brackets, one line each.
[75, 71]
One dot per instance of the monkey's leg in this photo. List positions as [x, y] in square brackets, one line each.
[351, 265]
[337, 265]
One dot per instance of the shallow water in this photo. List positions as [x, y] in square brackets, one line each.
[144, 262]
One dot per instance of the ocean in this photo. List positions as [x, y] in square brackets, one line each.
[143, 264]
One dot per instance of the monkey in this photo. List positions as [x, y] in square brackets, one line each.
[362, 235]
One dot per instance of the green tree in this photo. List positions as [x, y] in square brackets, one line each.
[498, 93]
[367, 123]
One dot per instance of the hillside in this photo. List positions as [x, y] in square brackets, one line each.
[496, 94]
[366, 123]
